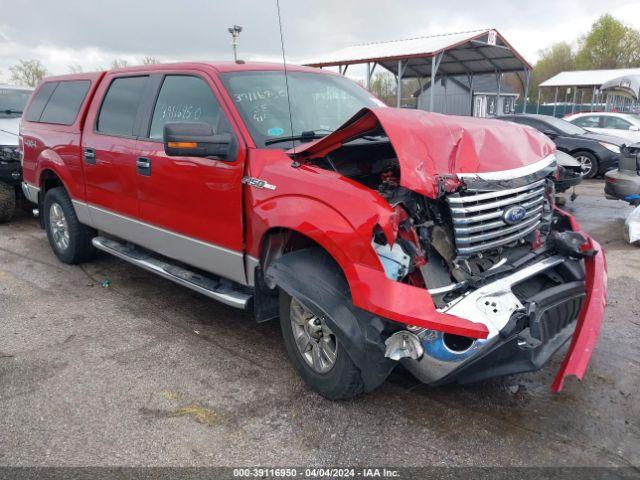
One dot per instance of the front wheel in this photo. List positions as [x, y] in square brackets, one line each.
[316, 352]
[70, 240]
[7, 202]
[588, 162]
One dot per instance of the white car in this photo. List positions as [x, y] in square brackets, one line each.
[624, 125]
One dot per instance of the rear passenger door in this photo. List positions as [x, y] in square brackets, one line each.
[109, 152]
[196, 202]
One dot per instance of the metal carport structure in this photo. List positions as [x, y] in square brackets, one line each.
[584, 80]
[464, 53]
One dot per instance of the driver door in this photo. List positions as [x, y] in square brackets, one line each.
[193, 204]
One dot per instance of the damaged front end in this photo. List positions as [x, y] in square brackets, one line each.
[494, 252]
[490, 247]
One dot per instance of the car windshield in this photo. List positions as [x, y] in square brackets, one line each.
[12, 102]
[564, 126]
[320, 103]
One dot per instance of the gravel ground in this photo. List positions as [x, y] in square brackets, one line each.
[144, 372]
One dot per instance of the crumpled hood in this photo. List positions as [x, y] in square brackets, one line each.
[431, 145]
[9, 128]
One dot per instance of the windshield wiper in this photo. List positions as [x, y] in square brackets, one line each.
[8, 111]
[304, 136]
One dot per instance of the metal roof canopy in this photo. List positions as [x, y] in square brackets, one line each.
[576, 79]
[463, 53]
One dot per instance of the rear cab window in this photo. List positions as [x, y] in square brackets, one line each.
[59, 102]
[119, 110]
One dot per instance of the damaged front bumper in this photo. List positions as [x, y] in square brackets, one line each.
[523, 332]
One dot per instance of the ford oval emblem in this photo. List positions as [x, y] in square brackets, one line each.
[514, 214]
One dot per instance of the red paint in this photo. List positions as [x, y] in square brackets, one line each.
[588, 326]
[432, 146]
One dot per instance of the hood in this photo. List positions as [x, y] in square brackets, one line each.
[9, 128]
[601, 137]
[431, 145]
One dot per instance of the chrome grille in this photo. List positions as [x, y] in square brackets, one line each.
[478, 223]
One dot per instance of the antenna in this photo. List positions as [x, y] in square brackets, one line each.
[286, 78]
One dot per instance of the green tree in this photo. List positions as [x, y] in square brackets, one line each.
[383, 86]
[555, 59]
[609, 44]
[27, 72]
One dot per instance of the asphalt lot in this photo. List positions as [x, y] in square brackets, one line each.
[143, 372]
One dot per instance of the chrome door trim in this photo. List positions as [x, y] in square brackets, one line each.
[206, 256]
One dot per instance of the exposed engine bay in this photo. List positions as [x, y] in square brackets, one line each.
[493, 251]
[458, 241]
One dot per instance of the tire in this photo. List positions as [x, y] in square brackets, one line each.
[7, 202]
[60, 218]
[341, 381]
[588, 159]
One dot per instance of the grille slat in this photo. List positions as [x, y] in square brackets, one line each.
[478, 217]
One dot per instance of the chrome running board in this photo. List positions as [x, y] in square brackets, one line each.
[223, 290]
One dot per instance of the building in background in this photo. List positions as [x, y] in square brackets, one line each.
[479, 96]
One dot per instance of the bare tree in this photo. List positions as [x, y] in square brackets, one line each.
[149, 60]
[75, 68]
[119, 63]
[27, 72]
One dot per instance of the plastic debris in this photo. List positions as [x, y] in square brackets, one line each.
[632, 227]
[106, 283]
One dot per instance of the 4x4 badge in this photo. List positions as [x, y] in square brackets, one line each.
[256, 182]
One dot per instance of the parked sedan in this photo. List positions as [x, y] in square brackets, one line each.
[625, 125]
[596, 152]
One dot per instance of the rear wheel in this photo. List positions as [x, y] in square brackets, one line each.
[588, 162]
[7, 202]
[69, 239]
[316, 352]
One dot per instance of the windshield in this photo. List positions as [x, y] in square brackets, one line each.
[12, 102]
[320, 103]
[564, 126]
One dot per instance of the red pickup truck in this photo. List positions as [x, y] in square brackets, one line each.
[376, 235]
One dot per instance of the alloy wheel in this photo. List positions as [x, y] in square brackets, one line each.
[316, 343]
[586, 164]
[59, 226]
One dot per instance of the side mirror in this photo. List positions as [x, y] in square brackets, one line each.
[197, 139]
[550, 133]
[634, 128]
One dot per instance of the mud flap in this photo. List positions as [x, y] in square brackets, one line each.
[312, 277]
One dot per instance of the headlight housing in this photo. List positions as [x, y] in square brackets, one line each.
[610, 146]
[10, 153]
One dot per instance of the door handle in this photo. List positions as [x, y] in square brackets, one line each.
[90, 156]
[143, 165]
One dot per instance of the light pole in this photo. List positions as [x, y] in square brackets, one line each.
[235, 33]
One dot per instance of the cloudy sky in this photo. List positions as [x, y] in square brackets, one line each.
[91, 33]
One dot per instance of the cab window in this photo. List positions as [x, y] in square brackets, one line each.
[185, 98]
[120, 106]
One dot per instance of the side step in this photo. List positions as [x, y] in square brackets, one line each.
[222, 290]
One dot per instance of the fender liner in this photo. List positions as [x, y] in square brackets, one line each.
[312, 276]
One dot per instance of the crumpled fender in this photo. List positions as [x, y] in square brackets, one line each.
[311, 276]
[588, 326]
